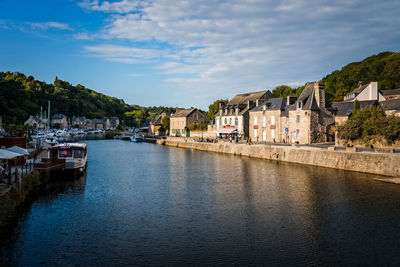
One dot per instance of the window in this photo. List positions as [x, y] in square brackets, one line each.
[272, 120]
[230, 121]
[255, 121]
[78, 154]
[255, 133]
[298, 104]
[196, 116]
[220, 123]
[272, 134]
[226, 122]
[65, 153]
[236, 122]
[297, 118]
[297, 133]
[264, 121]
[264, 135]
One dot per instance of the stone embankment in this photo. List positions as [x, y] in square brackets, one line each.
[387, 164]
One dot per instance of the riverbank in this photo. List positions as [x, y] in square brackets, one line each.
[386, 164]
[18, 195]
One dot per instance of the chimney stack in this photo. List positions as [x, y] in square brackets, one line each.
[319, 94]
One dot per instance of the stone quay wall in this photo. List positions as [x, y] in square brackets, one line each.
[369, 162]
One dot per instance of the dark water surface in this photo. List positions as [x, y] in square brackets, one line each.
[144, 204]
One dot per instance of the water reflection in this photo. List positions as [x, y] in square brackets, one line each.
[148, 204]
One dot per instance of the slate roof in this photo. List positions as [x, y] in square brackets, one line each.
[346, 107]
[390, 104]
[157, 120]
[390, 92]
[307, 98]
[184, 112]
[243, 98]
[272, 104]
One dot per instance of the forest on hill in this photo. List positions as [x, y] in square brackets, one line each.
[21, 96]
[383, 68]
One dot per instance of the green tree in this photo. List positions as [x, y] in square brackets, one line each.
[356, 106]
[283, 91]
[213, 109]
[165, 123]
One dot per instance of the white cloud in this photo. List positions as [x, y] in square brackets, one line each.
[49, 25]
[124, 54]
[124, 6]
[222, 47]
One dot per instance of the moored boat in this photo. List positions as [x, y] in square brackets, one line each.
[66, 157]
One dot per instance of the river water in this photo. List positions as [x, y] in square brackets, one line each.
[145, 204]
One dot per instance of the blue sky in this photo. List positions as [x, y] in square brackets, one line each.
[191, 52]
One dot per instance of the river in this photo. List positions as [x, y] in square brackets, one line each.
[145, 204]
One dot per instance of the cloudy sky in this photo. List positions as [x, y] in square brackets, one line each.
[190, 53]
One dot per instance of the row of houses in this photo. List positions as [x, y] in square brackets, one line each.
[261, 117]
[61, 121]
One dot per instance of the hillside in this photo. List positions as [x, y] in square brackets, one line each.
[383, 68]
[21, 96]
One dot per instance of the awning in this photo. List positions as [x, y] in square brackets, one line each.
[226, 130]
[19, 150]
[5, 154]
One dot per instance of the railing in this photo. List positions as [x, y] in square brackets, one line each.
[16, 174]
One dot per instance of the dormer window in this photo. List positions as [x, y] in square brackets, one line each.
[236, 111]
[299, 104]
[226, 111]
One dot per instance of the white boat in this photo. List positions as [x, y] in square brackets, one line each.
[136, 138]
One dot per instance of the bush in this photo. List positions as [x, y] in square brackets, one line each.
[111, 134]
[371, 122]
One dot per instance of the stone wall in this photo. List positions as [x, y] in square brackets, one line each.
[368, 162]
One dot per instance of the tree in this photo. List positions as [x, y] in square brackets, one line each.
[356, 106]
[213, 109]
[283, 91]
[165, 123]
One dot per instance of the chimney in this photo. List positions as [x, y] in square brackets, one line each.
[248, 103]
[360, 84]
[374, 94]
[319, 94]
[256, 102]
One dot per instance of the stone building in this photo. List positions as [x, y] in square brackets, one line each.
[182, 119]
[309, 119]
[79, 122]
[155, 126]
[114, 122]
[36, 122]
[265, 120]
[59, 121]
[103, 123]
[234, 116]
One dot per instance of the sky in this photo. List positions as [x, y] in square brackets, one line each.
[189, 53]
